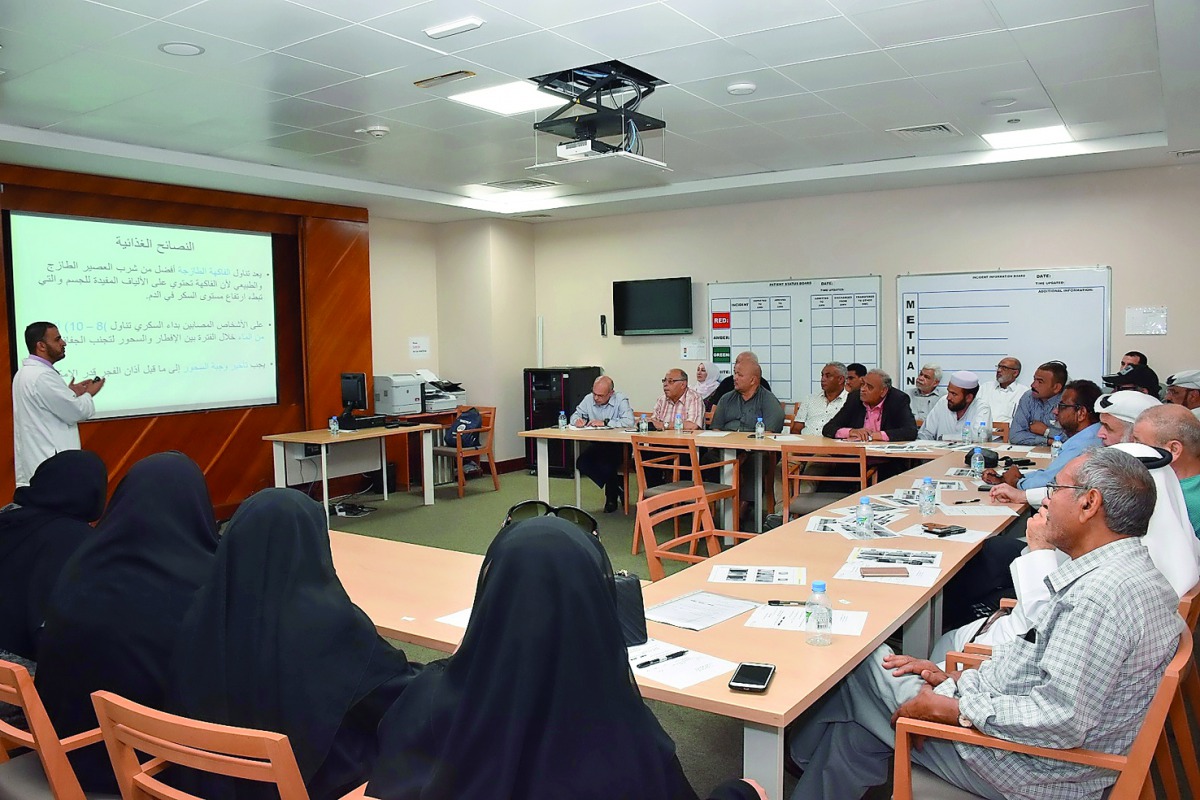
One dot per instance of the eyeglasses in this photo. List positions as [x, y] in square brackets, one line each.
[1071, 405]
[674, 380]
[1052, 487]
[529, 509]
[1010, 369]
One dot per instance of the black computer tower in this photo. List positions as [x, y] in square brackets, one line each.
[549, 390]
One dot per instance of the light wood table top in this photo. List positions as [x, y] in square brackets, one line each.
[323, 436]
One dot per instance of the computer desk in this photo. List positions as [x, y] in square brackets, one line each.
[405, 588]
[324, 440]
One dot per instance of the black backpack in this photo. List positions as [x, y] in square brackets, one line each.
[469, 420]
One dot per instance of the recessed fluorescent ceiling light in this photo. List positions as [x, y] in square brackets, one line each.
[1054, 134]
[509, 98]
[451, 28]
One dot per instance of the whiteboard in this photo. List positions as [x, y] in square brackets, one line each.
[969, 320]
[795, 327]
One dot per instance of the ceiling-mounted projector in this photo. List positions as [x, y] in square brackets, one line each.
[585, 118]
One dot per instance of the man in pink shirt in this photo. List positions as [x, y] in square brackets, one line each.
[678, 398]
[873, 413]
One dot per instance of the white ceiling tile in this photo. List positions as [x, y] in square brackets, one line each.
[149, 8]
[967, 143]
[68, 20]
[1101, 64]
[769, 82]
[826, 125]
[1019, 13]
[793, 155]
[356, 10]
[834, 73]
[549, 13]
[963, 52]
[312, 142]
[443, 65]
[874, 95]
[142, 44]
[34, 112]
[992, 122]
[1086, 36]
[1120, 126]
[412, 22]
[438, 114]
[533, 54]
[300, 113]
[86, 81]
[646, 29]
[778, 109]
[370, 95]
[979, 84]
[25, 52]
[746, 16]
[696, 62]
[360, 50]
[824, 38]
[906, 115]
[747, 139]
[283, 74]
[673, 99]
[859, 6]
[113, 130]
[1124, 96]
[191, 101]
[849, 148]
[699, 120]
[925, 21]
[271, 24]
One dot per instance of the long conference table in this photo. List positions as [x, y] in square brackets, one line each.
[406, 588]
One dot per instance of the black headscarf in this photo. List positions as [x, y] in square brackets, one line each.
[273, 642]
[116, 609]
[46, 523]
[538, 703]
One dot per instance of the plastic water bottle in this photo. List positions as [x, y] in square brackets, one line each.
[864, 515]
[928, 501]
[818, 617]
[985, 432]
[977, 463]
[966, 434]
[678, 423]
[1056, 448]
[643, 425]
[562, 420]
[334, 426]
[759, 430]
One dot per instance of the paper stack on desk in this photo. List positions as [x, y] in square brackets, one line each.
[675, 666]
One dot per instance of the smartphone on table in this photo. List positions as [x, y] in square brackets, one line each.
[752, 677]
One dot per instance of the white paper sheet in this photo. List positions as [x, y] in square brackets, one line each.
[959, 472]
[919, 532]
[679, 673]
[899, 448]
[1013, 448]
[877, 508]
[458, 619]
[941, 484]
[729, 573]
[786, 437]
[977, 510]
[696, 611]
[795, 618]
[874, 556]
[847, 528]
[917, 576]
[712, 434]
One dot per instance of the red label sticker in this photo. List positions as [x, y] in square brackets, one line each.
[720, 320]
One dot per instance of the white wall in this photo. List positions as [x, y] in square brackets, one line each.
[1140, 222]
[403, 294]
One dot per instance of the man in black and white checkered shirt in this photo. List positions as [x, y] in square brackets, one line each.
[1082, 676]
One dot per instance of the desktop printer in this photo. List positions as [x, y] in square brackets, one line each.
[439, 396]
[398, 394]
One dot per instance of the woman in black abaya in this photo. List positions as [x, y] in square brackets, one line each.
[46, 523]
[112, 621]
[272, 642]
[538, 703]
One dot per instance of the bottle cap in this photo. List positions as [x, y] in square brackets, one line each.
[979, 450]
[864, 501]
[927, 480]
[819, 586]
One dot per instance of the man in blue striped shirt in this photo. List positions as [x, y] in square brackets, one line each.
[1034, 420]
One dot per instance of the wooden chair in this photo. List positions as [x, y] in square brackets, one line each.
[130, 729]
[460, 454]
[1000, 429]
[1181, 747]
[1134, 777]
[708, 417]
[670, 507]
[789, 415]
[679, 458]
[627, 471]
[840, 466]
[46, 772]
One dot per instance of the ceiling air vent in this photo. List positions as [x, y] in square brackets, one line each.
[1186, 153]
[922, 133]
[521, 184]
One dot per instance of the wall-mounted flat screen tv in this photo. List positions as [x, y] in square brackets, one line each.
[659, 306]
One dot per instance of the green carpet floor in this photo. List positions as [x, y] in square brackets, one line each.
[709, 746]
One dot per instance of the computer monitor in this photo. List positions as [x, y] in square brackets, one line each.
[354, 392]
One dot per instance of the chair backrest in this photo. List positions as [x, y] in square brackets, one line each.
[677, 456]
[789, 414]
[130, 728]
[487, 424]
[1001, 430]
[841, 466]
[708, 417]
[16, 688]
[687, 502]
[1189, 607]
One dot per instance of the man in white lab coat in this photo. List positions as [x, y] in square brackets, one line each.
[46, 409]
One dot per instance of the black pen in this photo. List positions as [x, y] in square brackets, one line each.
[661, 659]
[965, 502]
[785, 602]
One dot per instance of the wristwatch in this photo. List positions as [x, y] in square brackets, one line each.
[965, 721]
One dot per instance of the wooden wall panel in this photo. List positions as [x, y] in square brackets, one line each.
[323, 323]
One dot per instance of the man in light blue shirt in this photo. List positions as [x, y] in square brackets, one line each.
[603, 408]
[961, 406]
[1079, 421]
[1034, 421]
